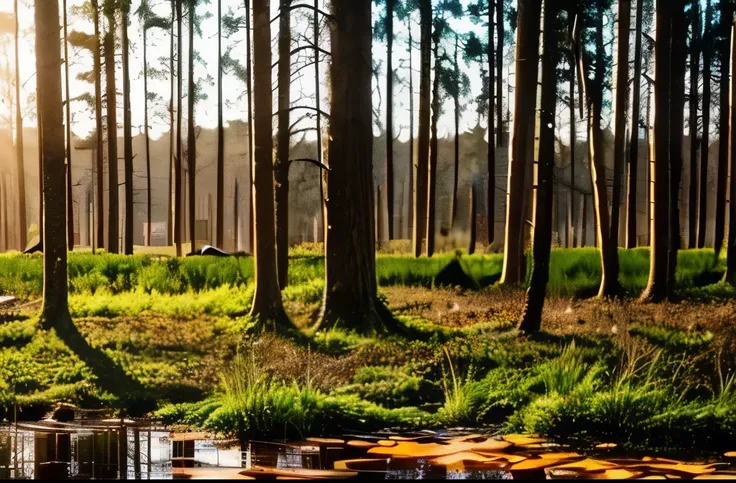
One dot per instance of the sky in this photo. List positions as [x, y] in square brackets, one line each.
[235, 107]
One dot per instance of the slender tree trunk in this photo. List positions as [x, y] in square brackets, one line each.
[267, 307]
[492, 131]
[707, 54]
[471, 220]
[127, 141]
[730, 276]
[191, 139]
[172, 134]
[631, 188]
[722, 175]
[573, 140]
[112, 131]
[236, 216]
[390, 115]
[99, 155]
[412, 167]
[282, 147]
[527, 54]
[148, 139]
[351, 298]
[251, 154]
[421, 161]
[609, 251]
[531, 320]
[318, 120]
[220, 137]
[677, 127]
[499, 77]
[456, 100]
[20, 162]
[433, 150]
[622, 96]
[68, 123]
[657, 288]
[178, 192]
[692, 213]
[55, 308]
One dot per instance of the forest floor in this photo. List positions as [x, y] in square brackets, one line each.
[644, 376]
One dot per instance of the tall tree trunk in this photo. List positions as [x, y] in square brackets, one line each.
[318, 115]
[282, 147]
[191, 139]
[99, 155]
[609, 251]
[730, 276]
[148, 139]
[351, 297]
[531, 320]
[172, 135]
[722, 174]
[632, 180]
[68, 123]
[421, 153]
[622, 96]
[251, 154]
[112, 130]
[573, 140]
[267, 306]
[499, 77]
[456, 100]
[20, 162]
[656, 289]
[527, 54]
[412, 168]
[677, 127]
[471, 220]
[693, 104]
[220, 137]
[55, 308]
[492, 131]
[178, 192]
[390, 115]
[433, 149]
[127, 141]
[707, 54]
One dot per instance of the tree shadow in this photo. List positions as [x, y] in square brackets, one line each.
[132, 396]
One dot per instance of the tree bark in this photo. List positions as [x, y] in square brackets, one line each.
[456, 100]
[55, 308]
[677, 127]
[656, 289]
[251, 154]
[499, 77]
[99, 155]
[531, 320]
[622, 96]
[112, 131]
[390, 115]
[412, 167]
[267, 306]
[492, 131]
[148, 139]
[20, 162]
[68, 125]
[191, 138]
[421, 160]
[172, 134]
[722, 174]
[433, 148]
[127, 141]
[351, 298]
[730, 276]
[220, 137]
[632, 178]
[471, 220]
[707, 54]
[692, 213]
[178, 207]
[527, 55]
[282, 148]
